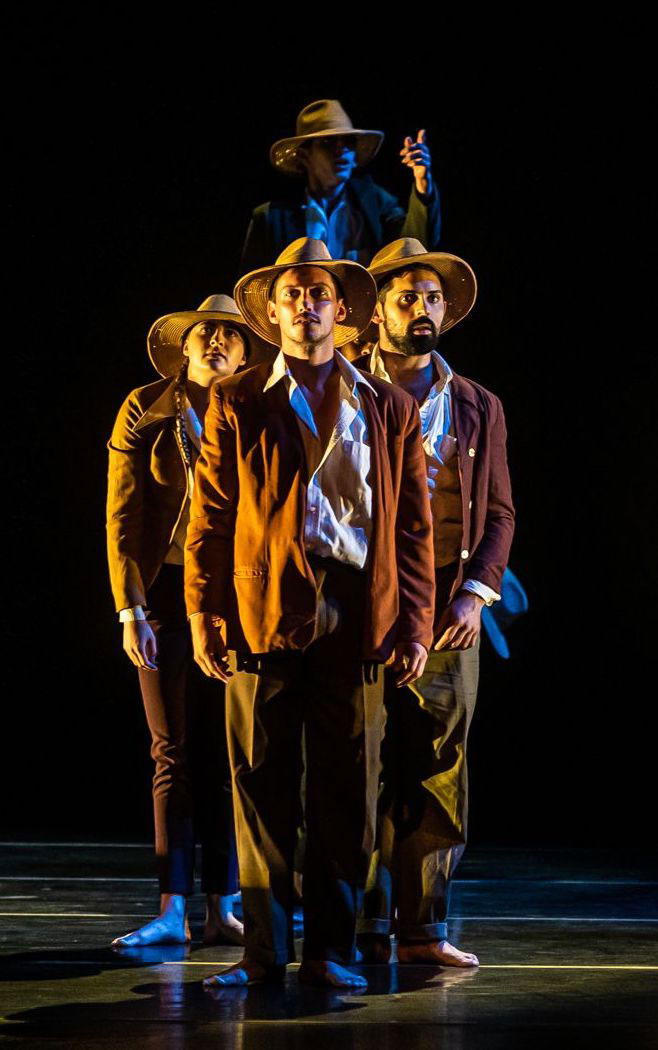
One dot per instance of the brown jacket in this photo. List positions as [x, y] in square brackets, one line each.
[245, 559]
[487, 509]
[486, 492]
[147, 490]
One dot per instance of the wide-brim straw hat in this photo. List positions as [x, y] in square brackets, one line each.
[320, 120]
[165, 339]
[357, 288]
[457, 278]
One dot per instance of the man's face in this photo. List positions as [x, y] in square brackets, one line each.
[214, 348]
[331, 160]
[412, 312]
[305, 306]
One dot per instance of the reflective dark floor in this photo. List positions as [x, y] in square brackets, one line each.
[567, 943]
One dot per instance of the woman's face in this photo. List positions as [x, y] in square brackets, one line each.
[214, 350]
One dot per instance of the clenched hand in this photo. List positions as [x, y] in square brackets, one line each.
[409, 660]
[209, 649]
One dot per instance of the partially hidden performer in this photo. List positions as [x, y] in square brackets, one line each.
[152, 452]
[308, 564]
[423, 809]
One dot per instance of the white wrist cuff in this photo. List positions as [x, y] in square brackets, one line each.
[130, 615]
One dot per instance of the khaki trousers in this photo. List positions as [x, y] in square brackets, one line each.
[424, 800]
[328, 695]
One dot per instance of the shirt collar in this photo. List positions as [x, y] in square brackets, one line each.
[312, 202]
[441, 368]
[349, 373]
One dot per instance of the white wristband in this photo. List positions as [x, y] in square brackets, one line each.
[130, 615]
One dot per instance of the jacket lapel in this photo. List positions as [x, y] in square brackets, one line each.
[162, 408]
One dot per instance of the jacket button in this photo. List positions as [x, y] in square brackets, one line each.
[470, 503]
[471, 452]
[464, 555]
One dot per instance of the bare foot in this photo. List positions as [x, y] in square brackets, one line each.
[329, 975]
[243, 973]
[170, 927]
[227, 930]
[221, 926]
[435, 953]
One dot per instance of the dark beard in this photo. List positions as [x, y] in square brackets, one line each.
[414, 345]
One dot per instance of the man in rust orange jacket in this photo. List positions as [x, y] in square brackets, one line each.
[308, 565]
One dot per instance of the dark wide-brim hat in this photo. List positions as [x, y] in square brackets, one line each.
[320, 120]
[357, 288]
[457, 278]
[165, 339]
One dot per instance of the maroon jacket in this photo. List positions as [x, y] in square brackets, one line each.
[244, 557]
[487, 509]
[486, 492]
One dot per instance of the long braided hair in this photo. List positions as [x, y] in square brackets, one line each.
[181, 429]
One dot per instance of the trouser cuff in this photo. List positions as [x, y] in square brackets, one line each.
[432, 931]
[380, 926]
[269, 958]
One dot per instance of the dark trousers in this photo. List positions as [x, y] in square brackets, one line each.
[329, 695]
[423, 807]
[185, 712]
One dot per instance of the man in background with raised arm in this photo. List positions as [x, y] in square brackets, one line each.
[332, 199]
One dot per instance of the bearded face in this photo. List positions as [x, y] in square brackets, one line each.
[412, 312]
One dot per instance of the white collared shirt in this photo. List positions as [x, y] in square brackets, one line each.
[341, 228]
[338, 522]
[439, 441]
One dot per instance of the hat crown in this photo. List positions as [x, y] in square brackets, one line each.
[303, 251]
[326, 114]
[219, 304]
[399, 251]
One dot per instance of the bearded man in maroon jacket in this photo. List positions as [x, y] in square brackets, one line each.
[423, 812]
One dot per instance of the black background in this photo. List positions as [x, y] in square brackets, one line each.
[134, 170]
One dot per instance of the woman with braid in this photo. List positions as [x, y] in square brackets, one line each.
[153, 449]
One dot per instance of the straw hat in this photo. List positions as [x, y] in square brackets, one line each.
[165, 339]
[359, 292]
[457, 278]
[320, 120]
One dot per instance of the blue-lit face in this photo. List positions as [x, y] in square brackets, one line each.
[331, 160]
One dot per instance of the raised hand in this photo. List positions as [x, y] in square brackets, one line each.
[416, 155]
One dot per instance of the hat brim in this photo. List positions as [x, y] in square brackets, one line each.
[284, 154]
[360, 295]
[165, 339]
[457, 278]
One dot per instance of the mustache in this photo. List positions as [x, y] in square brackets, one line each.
[307, 317]
[422, 322]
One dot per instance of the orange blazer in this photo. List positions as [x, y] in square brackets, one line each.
[245, 558]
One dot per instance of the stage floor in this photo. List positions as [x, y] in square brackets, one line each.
[568, 945]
